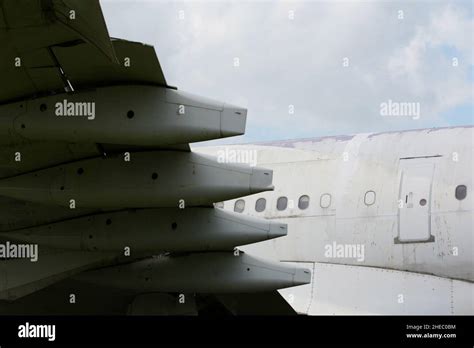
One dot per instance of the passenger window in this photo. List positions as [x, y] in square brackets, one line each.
[260, 204]
[303, 202]
[369, 198]
[282, 203]
[239, 206]
[461, 192]
[325, 200]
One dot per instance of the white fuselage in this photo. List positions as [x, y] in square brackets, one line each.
[385, 222]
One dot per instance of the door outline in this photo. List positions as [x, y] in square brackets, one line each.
[413, 162]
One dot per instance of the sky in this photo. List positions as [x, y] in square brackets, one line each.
[314, 68]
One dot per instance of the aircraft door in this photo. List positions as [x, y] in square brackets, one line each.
[414, 208]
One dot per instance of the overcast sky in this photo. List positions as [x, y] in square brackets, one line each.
[330, 62]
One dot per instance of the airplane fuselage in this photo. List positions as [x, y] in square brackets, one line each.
[397, 202]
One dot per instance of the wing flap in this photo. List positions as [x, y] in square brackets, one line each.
[138, 64]
[29, 29]
[49, 44]
[38, 24]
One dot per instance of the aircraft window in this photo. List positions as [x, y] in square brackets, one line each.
[369, 198]
[219, 205]
[461, 192]
[239, 206]
[325, 200]
[303, 202]
[422, 202]
[282, 202]
[260, 204]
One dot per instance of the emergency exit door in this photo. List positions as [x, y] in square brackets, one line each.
[414, 208]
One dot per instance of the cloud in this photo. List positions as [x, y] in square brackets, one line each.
[298, 62]
[426, 62]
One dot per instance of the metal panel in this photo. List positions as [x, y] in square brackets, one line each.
[300, 297]
[28, 31]
[414, 202]
[21, 277]
[355, 290]
[138, 63]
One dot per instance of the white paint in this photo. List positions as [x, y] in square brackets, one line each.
[375, 163]
[415, 188]
[348, 290]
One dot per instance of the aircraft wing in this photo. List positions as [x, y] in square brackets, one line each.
[66, 184]
[52, 46]
[57, 46]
